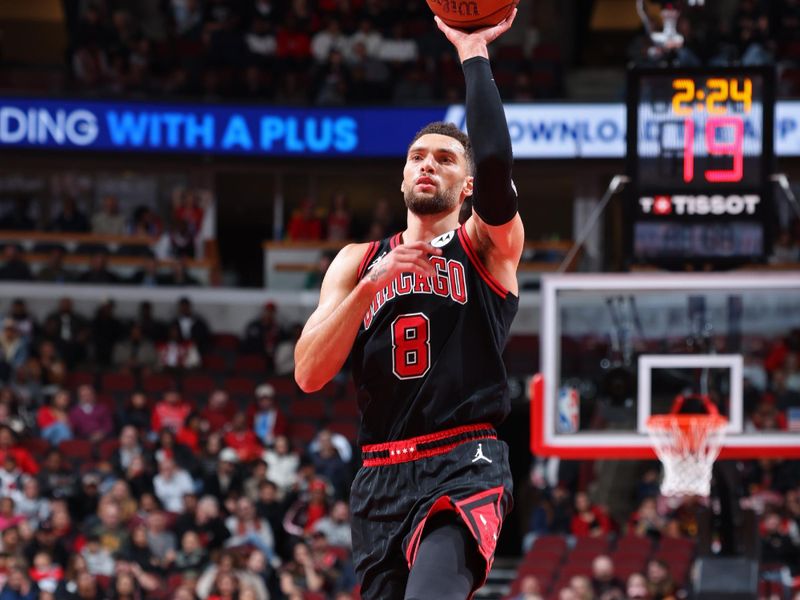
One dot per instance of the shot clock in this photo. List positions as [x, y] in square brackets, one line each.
[700, 148]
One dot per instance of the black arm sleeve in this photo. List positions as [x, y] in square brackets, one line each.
[494, 197]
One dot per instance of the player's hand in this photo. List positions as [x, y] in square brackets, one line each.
[474, 43]
[413, 257]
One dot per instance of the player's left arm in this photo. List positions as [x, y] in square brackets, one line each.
[495, 226]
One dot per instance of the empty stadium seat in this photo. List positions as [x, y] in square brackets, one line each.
[117, 382]
[157, 383]
[250, 363]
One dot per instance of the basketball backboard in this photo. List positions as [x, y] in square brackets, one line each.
[617, 349]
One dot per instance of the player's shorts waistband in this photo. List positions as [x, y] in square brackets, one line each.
[423, 446]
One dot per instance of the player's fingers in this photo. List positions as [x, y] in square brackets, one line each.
[426, 247]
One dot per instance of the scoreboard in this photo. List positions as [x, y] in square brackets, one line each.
[700, 153]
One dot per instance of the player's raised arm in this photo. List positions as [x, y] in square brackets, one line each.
[494, 199]
[331, 330]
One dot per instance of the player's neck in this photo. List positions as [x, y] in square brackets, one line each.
[423, 228]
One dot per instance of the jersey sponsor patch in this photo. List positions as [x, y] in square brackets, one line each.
[443, 240]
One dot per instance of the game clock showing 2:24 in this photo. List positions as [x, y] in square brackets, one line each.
[700, 150]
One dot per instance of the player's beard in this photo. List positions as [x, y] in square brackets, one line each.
[425, 204]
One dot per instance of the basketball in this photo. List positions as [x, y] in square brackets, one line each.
[472, 14]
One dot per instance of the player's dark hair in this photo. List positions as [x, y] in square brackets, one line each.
[452, 131]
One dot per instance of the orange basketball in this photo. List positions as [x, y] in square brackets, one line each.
[472, 14]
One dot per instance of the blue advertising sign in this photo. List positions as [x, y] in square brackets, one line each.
[550, 131]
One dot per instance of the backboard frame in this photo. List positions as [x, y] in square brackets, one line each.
[615, 445]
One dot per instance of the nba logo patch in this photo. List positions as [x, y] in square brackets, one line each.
[568, 410]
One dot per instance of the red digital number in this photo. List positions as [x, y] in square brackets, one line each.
[734, 148]
[411, 346]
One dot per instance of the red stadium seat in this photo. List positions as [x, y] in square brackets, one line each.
[308, 408]
[158, 383]
[631, 544]
[117, 382]
[78, 378]
[106, 448]
[240, 386]
[250, 363]
[555, 543]
[348, 429]
[225, 341]
[347, 408]
[198, 385]
[215, 363]
[302, 432]
[76, 450]
[36, 446]
[585, 544]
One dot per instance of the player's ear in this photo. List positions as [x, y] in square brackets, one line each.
[403, 187]
[467, 188]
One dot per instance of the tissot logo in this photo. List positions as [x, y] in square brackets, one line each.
[700, 205]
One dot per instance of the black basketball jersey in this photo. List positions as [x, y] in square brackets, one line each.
[428, 354]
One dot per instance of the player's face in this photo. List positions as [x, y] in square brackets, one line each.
[435, 178]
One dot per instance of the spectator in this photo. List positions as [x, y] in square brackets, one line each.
[108, 220]
[777, 546]
[180, 240]
[304, 224]
[282, 463]
[307, 510]
[204, 519]
[329, 464]
[167, 445]
[339, 218]
[604, 582]
[26, 323]
[134, 354]
[247, 528]
[18, 586]
[53, 269]
[242, 439]
[136, 412]
[10, 448]
[257, 474]
[17, 219]
[89, 419]
[646, 521]
[30, 503]
[188, 206]
[300, 574]
[53, 419]
[170, 413]
[262, 335]
[659, 581]
[145, 222]
[98, 560]
[340, 442]
[14, 347]
[70, 219]
[192, 326]
[129, 448]
[71, 331]
[14, 266]
[171, 483]
[108, 526]
[192, 558]
[98, 271]
[589, 520]
[46, 539]
[336, 526]
[268, 420]
[226, 479]
[56, 479]
[219, 411]
[106, 331]
[161, 541]
[152, 328]
[636, 587]
[529, 589]
[189, 435]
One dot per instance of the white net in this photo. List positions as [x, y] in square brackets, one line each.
[687, 446]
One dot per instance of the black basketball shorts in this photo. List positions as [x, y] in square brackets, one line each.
[402, 484]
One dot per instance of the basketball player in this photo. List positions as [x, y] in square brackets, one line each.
[426, 314]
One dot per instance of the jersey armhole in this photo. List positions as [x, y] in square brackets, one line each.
[484, 273]
[371, 251]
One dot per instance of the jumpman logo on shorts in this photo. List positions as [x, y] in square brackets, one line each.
[479, 455]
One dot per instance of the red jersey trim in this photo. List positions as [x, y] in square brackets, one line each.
[396, 239]
[424, 446]
[371, 251]
[493, 284]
